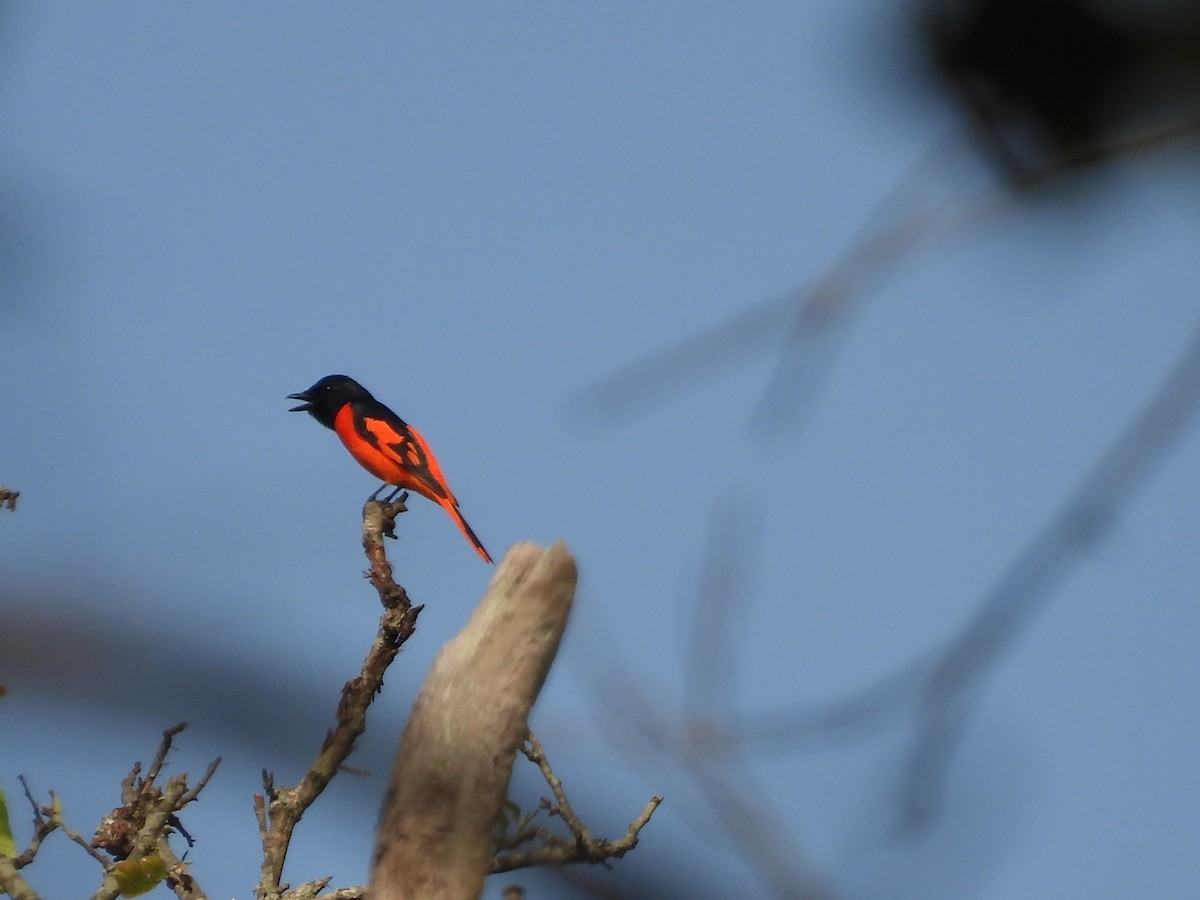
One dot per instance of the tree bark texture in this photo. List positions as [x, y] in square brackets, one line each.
[450, 776]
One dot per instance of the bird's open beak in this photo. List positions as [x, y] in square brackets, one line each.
[303, 407]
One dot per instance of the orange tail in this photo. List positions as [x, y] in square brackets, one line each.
[449, 506]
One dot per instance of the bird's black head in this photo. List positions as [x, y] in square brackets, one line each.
[323, 400]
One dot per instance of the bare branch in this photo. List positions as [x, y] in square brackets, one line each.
[76, 838]
[139, 827]
[532, 748]
[281, 809]
[581, 846]
[42, 827]
[160, 756]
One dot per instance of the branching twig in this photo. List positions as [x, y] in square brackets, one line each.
[279, 809]
[42, 826]
[138, 828]
[134, 832]
[581, 846]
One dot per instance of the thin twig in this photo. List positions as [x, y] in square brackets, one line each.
[164, 747]
[307, 891]
[138, 829]
[42, 827]
[532, 748]
[282, 808]
[77, 838]
[194, 793]
[598, 851]
[582, 846]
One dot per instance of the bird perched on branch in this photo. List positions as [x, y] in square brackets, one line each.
[383, 443]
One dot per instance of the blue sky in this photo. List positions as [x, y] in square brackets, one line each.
[479, 212]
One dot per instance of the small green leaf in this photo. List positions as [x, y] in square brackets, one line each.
[137, 876]
[8, 847]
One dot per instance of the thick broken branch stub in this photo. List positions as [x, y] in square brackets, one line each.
[454, 762]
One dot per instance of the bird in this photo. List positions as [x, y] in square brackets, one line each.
[382, 443]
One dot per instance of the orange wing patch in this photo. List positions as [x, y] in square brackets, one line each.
[387, 447]
[392, 451]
